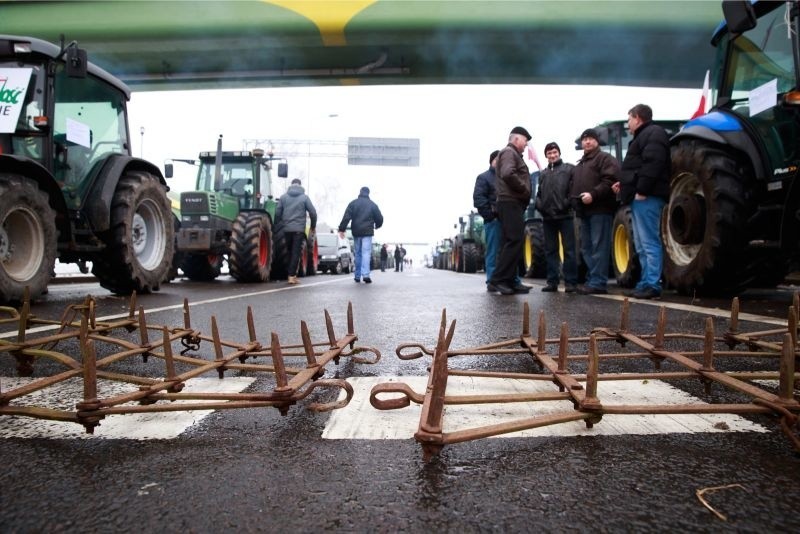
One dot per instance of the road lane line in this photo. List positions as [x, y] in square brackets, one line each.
[191, 304]
[359, 420]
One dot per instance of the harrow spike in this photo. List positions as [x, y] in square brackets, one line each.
[187, 320]
[311, 356]
[329, 328]
[786, 388]
[526, 320]
[251, 328]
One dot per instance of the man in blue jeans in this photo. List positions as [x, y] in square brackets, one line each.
[484, 198]
[644, 184]
[595, 204]
[366, 217]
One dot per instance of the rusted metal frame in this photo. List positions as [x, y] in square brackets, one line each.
[58, 357]
[684, 409]
[459, 436]
[240, 400]
[429, 432]
[167, 384]
[9, 346]
[565, 381]
[38, 412]
[38, 384]
[709, 374]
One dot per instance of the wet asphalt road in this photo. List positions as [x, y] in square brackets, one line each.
[254, 470]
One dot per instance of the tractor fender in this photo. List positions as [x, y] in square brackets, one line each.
[723, 129]
[35, 171]
[97, 208]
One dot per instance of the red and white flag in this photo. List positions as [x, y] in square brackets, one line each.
[701, 109]
[533, 158]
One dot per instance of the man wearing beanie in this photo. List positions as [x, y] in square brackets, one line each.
[553, 202]
[484, 198]
[291, 210]
[513, 196]
[366, 217]
[595, 204]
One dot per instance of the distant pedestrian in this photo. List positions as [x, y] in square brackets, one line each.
[595, 204]
[644, 185]
[292, 209]
[553, 202]
[513, 196]
[484, 198]
[384, 257]
[399, 255]
[366, 217]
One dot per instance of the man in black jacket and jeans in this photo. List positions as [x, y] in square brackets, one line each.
[553, 202]
[366, 217]
[644, 184]
[513, 196]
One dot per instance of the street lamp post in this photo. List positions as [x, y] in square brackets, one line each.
[141, 144]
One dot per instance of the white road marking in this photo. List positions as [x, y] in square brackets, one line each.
[359, 420]
[165, 425]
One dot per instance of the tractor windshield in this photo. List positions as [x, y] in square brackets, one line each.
[757, 57]
[236, 177]
[89, 124]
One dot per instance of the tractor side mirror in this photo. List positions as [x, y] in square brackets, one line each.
[739, 16]
[168, 170]
[283, 170]
[76, 62]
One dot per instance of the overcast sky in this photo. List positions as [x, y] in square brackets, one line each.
[458, 126]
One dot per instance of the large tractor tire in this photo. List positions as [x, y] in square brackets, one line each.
[27, 239]
[704, 232]
[624, 259]
[472, 258]
[141, 243]
[533, 250]
[250, 256]
[202, 267]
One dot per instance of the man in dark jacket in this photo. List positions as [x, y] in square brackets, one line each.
[292, 208]
[484, 198]
[595, 204]
[366, 217]
[513, 196]
[644, 184]
[553, 202]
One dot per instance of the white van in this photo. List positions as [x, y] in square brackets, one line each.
[335, 254]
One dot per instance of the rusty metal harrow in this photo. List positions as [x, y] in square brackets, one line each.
[290, 384]
[580, 389]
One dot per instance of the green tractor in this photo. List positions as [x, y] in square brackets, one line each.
[443, 256]
[230, 214]
[469, 245]
[69, 186]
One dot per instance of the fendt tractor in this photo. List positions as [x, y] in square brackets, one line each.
[69, 186]
[733, 218]
[231, 214]
[468, 244]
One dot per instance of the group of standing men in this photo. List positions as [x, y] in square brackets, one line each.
[589, 190]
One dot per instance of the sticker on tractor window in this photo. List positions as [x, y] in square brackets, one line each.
[13, 86]
[764, 97]
[79, 133]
